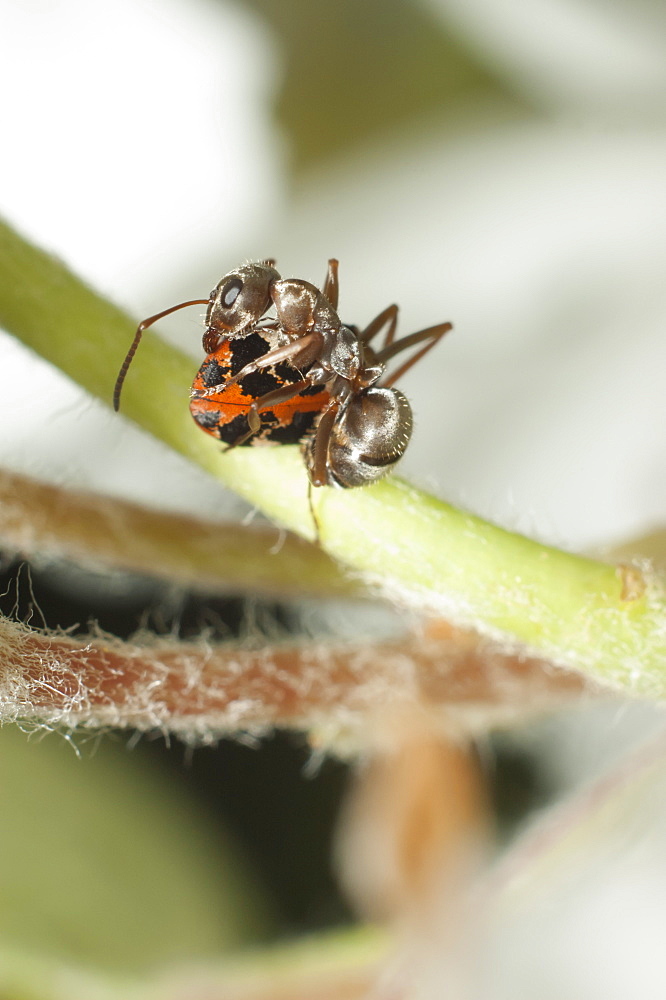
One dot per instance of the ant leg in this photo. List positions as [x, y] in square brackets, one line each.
[388, 315]
[281, 395]
[433, 334]
[143, 325]
[313, 515]
[331, 286]
[318, 466]
[303, 350]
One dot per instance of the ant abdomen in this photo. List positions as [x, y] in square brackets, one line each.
[369, 437]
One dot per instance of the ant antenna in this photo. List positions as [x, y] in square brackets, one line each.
[137, 338]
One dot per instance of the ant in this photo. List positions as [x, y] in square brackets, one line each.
[328, 387]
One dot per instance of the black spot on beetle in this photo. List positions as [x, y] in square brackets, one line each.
[208, 419]
[288, 374]
[213, 373]
[295, 431]
[235, 429]
[247, 349]
[257, 384]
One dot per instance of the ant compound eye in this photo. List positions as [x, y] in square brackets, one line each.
[230, 292]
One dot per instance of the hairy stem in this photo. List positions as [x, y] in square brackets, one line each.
[204, 692]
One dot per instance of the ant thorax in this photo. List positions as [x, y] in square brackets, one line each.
[343, 355]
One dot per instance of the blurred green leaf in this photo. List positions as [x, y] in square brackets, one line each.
[354, 70]
[335, 964]
[104, 862]
[27, 976]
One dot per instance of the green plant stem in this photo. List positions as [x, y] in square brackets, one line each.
[416, 548]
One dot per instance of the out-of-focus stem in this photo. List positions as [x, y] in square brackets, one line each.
[327, 690]
[40, 519]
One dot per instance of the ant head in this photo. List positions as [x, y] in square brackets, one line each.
[369, 437]
[238, 302]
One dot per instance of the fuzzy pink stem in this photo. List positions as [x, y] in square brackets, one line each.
[204, 692]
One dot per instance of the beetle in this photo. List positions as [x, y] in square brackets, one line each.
[302, 375]
[223, 412]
